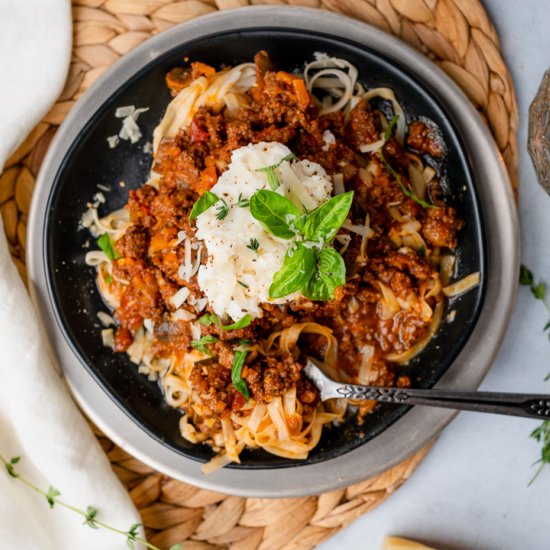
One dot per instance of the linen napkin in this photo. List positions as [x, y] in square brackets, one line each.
[38, 420]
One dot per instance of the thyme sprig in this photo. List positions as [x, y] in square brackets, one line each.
[542, 433]
[407, 192]
[89, 515]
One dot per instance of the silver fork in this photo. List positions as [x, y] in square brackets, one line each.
[514, 404]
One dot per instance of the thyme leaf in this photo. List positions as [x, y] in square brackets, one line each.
[222, 210]
[254, 245]
[542, 433]
[396, 176]
[89, 515]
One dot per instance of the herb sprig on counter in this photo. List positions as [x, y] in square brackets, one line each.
[89, 515]
[542, 433]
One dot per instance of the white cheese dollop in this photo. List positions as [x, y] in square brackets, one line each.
[236, 280]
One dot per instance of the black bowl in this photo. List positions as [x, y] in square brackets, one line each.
[90, 162]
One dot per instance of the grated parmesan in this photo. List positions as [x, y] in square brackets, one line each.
[230, 262]
[179, 297]
[182, 315]
[130, 130]
[105, 319]
[329, 139]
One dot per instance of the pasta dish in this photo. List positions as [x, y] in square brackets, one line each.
[287, 215]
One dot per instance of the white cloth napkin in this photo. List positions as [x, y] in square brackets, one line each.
[38, 420]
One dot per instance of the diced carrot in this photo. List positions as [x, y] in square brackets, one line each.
[298, 85]
[301, 92]
[285, 77]
[201, 69]
[158, 242]
[209, 176]
[177, 79]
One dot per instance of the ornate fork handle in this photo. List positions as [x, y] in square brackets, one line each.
[538, 407]
[516, 404]
[389, 395]
[530, 406]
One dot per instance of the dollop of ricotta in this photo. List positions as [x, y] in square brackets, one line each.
[236, 279]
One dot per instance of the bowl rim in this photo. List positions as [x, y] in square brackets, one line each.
[420, 425]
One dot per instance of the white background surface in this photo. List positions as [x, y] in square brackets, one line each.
[471, 492]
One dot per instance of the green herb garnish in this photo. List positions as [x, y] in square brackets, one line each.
[272, 179]
[254, 245]
[104, 242]
[325, 221]
[222, 210]
[422, 251]
[542, 433]
[298, 268]
[275, 213]
[311, 265]
[203, 342]
[243, 203]
[89, 515]
[212, 319]
[330, 274]
[205, 201]
[397, 177]
[243, 284]
[239, 358]
[209, 319]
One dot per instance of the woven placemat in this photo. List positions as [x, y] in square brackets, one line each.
[459, 37]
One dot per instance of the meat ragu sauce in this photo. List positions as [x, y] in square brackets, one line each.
[282, 110]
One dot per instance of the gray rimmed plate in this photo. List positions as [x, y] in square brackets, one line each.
[62, 289]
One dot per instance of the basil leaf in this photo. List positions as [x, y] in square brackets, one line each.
[243, 322]
[104, 242]
[212, 319]
[209, 319]
[206, 200]
[298, 268]
[325, 221]
[331, 273]
[203, 342]
[274, 212]
[240, 385]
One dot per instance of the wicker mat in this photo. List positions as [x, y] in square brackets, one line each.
[458, 36]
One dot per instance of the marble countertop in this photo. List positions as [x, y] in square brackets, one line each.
[471, 492]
